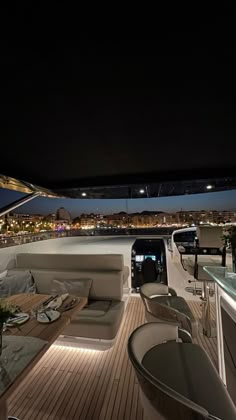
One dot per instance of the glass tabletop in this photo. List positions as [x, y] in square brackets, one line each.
[225, 279]
[17, 354]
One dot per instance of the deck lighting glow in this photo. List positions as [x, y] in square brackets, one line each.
[209, 187]
[141, 191]
[83, 194]
[76, 346]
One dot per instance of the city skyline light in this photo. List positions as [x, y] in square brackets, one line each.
[225, 200]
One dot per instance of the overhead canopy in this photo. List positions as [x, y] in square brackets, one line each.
[130, 115]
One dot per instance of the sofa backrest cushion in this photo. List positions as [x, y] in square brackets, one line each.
[105, 284]
[105, 270]
[73, 262]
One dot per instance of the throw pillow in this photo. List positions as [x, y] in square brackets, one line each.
[3, 274]
[17, 282]
[76, 287]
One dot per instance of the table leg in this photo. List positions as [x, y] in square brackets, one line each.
[206, 317]
[208, 330]
[3, 410]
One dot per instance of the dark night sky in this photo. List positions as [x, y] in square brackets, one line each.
[225, 200]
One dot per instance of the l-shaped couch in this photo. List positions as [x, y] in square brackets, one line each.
[101, 318]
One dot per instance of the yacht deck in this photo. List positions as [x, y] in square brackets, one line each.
[72, 383]
[209, 344]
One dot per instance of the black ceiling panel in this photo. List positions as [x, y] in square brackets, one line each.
[114, 113]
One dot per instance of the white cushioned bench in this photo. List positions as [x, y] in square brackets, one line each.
[103, 315]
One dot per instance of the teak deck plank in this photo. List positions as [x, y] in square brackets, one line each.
[75, 384]
[208, 344]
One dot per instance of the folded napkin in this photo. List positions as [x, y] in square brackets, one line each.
[57, 302]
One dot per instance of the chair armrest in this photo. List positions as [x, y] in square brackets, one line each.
[184, 320]
[172, 291]
[184, 336]
[166, 313]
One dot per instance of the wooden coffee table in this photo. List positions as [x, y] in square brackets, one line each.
[32, 328]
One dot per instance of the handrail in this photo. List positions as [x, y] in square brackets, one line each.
[18, 203]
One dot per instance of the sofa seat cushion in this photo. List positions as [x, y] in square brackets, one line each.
[187, 369]
[98, 320]
[96, 308]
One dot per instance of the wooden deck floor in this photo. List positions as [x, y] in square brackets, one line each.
[79, 384]
[209, 344]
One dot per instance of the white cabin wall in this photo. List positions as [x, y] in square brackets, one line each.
[7, 255]
[178, 278]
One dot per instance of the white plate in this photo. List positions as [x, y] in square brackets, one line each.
[43, 319]
[57, 302]
[23, 317]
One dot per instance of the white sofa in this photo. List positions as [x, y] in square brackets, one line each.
[103, 315]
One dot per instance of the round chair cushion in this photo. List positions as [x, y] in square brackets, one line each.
[187, 369]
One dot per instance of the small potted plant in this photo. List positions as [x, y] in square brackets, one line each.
[233, 247]
[6, 311]
[229, 236]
